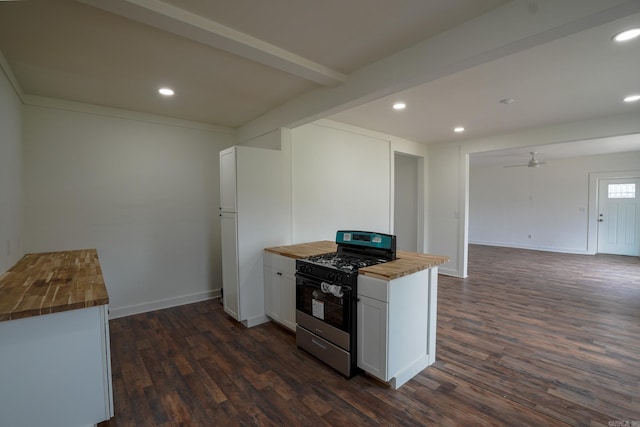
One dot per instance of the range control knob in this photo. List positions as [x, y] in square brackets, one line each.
[335, 276]
[305, 269]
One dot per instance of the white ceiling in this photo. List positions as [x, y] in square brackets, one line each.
[581, 76]
[232, 62]
[78, 51]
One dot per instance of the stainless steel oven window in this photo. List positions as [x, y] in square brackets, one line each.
[324, 306]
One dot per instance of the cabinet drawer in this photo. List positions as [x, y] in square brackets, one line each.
[279, 263]
[324, 350]
[373, 288]
[284, 264]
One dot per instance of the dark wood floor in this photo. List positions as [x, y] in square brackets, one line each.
[529, 339]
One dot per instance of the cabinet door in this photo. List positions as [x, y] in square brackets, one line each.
[55, 369]
[272, 294]
[228, 228]
[372, 336]
[288, 294]
[228, 180]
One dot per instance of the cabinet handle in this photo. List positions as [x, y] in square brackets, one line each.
[319, 344]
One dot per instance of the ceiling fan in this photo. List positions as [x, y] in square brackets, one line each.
[533, 163]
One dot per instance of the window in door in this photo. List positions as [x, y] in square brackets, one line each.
[621, 191]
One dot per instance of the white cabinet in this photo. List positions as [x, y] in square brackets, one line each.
[280, 289]
[397, 325]
[56, 369]
[228, 180]
[372, 336]
[228, 229]
[251, 219]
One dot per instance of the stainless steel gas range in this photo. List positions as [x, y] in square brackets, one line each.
[326, 296]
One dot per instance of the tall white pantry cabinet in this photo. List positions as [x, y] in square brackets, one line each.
[250, 220]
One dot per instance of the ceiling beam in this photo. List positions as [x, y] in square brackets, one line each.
[194, 27]
[506, 30]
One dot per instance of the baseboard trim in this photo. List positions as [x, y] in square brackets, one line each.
[115, 313]
[449, 272]
[535, 248]
[255, 321]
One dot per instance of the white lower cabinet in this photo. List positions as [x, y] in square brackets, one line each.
[280, 289]
[230, 276]
[56, 369]
[397, 325]
[372, 336]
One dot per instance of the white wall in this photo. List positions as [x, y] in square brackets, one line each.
[340, 180]
[144, 193]
[10, 175]
[550, 203]
[342, 177]
[271, 140]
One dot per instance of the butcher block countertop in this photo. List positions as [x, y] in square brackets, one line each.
[52, 282]
[405, 264]
[304, 250]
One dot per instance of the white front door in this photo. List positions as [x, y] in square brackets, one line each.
[619, 216]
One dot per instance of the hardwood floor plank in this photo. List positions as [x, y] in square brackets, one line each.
[529, 339]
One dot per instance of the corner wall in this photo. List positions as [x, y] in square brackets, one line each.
[143, 192]
[11, 170]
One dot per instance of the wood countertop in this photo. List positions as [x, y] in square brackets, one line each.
[304, 250]
[405, 264]
[52, 282]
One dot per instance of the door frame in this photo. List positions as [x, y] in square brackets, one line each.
[419, 195]
[592, 217]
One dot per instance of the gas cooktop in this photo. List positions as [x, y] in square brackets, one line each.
[356, 249]
[345, 262]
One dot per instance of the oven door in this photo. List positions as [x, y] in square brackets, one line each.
[322, 314]
[323, 305]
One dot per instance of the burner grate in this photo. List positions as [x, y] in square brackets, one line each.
[345, 262]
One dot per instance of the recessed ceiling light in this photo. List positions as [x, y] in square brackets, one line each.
[625, 35]
[165, 91]
[399, 106]
[458, 129]
[632, 98]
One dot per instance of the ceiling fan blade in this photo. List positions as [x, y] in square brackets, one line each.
[515, 166]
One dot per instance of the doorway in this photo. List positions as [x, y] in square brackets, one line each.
[408, 202]
[619, 216]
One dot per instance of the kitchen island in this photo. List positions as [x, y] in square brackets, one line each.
[397, 307]
[55, 366]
